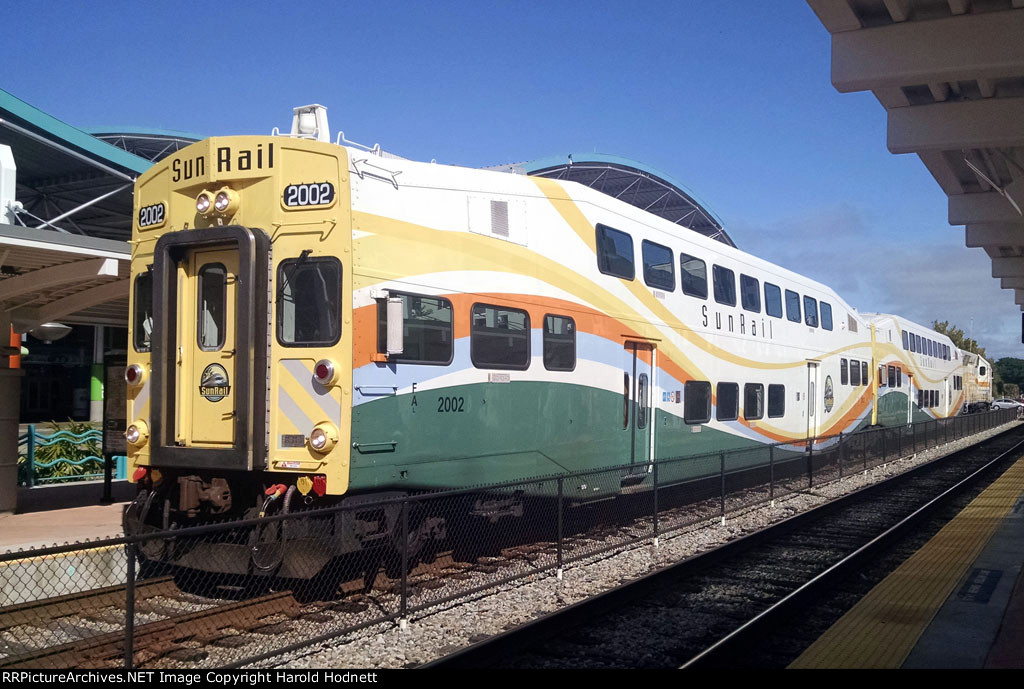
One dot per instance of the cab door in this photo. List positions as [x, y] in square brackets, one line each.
[207, 404]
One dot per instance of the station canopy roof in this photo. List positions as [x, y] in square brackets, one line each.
[64, 252]
[632, 182]
[950, 74]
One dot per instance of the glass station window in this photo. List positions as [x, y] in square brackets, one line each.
[142, 317]
[615, 252]
[559, 343]
[309, 302]
[694, 276]
[659, 268]
[499, 337]
[212, 311]
[427, 334]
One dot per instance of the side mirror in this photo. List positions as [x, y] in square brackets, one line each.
[396, 334]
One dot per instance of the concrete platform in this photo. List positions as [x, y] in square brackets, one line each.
[55, 527]
[958, 602]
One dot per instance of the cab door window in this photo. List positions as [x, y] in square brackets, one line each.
[213, 296]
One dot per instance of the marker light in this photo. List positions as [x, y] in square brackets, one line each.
[324, 372]
[226, 201]
[204, 202]
[137, 434]
[323, 437]
[134, 375]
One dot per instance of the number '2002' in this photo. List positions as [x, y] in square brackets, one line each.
[313, 194]
[455, 404]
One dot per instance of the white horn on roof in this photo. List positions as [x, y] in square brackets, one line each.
[310, 122]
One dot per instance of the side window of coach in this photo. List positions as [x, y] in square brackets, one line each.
[694, 276]
[659, 269]
[426, 329]
[615, 252]
[725, 285]
[499, 337]
[792, 306]
[559, 343]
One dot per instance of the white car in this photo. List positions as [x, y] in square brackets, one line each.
[1006, 403]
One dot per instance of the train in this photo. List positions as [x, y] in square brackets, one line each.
[315, 323]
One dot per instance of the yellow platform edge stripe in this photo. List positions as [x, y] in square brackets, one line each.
[882, 629]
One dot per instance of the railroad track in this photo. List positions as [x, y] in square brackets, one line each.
[712, 609]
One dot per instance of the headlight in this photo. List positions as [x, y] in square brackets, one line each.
[204, 202]
[226, 201]
[137, 434]
[323, 437]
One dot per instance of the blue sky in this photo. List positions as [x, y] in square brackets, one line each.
[732, 98]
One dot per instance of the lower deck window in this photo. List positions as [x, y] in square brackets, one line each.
[728, 396]
[776, 401]
[697, 402]
[559, 343]
[499, 337]
[426, 329]
[753, 401]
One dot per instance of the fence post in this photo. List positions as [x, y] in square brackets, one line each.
[403, 619]
[129, 609]
[771, 474]
[842, 454]
[31, 459]
[561, 493]
[913, 437]
[655, 505]
[884, 453]
[722, 460]
[810, 463]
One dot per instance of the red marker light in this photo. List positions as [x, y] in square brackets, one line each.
[320, 485]
[140, 473]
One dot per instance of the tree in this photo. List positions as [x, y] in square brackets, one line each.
[959, 339]
[1011, 372]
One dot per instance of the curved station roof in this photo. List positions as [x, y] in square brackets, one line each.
[630, 181]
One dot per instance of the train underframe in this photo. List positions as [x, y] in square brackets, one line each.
[299, 546]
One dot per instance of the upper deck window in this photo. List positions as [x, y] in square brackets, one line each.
[811, 311]
[659, 268]
[142, 325]
[725, 285]
[792, 306]
[750, 293]
[694, 276]
[772, 300]
[615, 252]
[826, 315]
[309, 302]
[906, 342]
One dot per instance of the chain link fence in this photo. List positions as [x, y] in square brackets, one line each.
[226, 594]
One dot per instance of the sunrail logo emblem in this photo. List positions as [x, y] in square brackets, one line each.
[214, 384]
